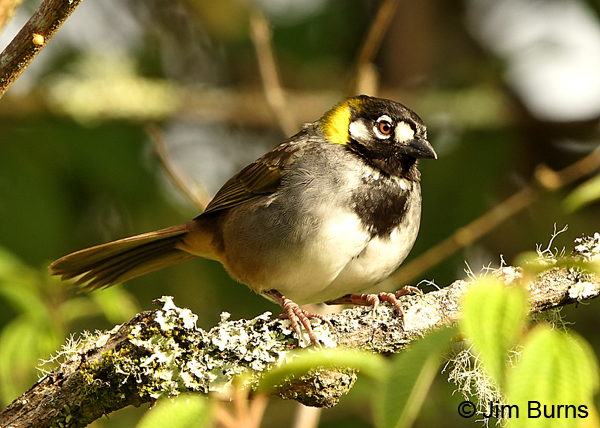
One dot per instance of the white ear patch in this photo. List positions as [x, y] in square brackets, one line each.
[404, 132]
[359, 131]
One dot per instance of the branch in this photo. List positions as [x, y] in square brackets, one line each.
[162, 352]
[195, 192]
[260, 33]
[32, 38]
[365, 78]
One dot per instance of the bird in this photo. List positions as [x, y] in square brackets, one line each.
[322, 217]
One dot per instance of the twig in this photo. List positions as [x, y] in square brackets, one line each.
[32, 38]
[162, 352]
[545, 179]
[307, 417]
[261, 37]
[193, 191]
[371, 45]
[247, 414]
[465, 236]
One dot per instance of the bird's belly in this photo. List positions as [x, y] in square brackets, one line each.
[377, 261]
[378, 258]
[314, 266]
[300, 269]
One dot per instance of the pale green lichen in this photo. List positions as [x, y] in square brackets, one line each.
[178, 356]
[164, 354]
[472, 381]
[240, 345]
[168, 362]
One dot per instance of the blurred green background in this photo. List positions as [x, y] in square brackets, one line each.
[503, 85]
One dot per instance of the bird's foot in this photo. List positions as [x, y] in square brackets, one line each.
[374, 299]
[297, 316]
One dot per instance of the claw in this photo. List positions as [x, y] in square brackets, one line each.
[374, 299]
[295, 313]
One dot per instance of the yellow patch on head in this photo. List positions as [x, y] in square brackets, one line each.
[336, 121]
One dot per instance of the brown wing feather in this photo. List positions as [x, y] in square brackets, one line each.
[260, 177]
[118, 261]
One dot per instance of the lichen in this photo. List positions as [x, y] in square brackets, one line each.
[170, 354]
[588, 247]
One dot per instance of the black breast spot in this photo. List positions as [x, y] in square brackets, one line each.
[381, 204]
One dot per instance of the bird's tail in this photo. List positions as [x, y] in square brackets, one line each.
[115, 262]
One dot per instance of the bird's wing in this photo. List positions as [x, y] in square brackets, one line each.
[259, 178]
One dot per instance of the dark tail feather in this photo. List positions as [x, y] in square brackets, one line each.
[118, 261]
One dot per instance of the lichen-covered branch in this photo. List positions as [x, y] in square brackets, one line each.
[32, 38]
[162, 352]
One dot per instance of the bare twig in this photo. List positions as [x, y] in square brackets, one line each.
[247, 414]
[546, 179]
[370, 47]
[32, 38]
[307, 417]
[261, 36]
[193, 191]
[465, 236]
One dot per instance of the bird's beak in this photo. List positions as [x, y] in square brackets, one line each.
[419, 149]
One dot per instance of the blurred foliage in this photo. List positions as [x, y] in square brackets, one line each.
[544, 364]
[585, 194]
[188, 411]
[497, 326]
[43, 314]
[77, 168]
[401, 391]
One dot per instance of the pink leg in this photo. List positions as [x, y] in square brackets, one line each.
[294, 313]
[375, 299]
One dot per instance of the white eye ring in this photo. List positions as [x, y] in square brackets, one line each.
[384, 127]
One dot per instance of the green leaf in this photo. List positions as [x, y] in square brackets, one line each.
[26, 298]
[493, 319]
[22, 343]
[306, 360]
[187, 411]
[9, 264]
[403, 387]
[555, 369]
[584, 194]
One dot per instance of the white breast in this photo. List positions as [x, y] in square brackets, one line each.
[347, 260]
[308, 279]
[379, 258]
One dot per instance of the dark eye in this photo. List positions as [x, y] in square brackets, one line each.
[384, 127]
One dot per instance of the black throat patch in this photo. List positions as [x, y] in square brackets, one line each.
[381, 204]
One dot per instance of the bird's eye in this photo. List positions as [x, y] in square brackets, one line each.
[384, 127]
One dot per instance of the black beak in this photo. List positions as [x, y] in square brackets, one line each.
[419, 149]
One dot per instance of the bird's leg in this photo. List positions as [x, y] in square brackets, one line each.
[375, 299]
[295, 313]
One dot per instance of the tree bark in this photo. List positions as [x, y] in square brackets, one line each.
[32, 38]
